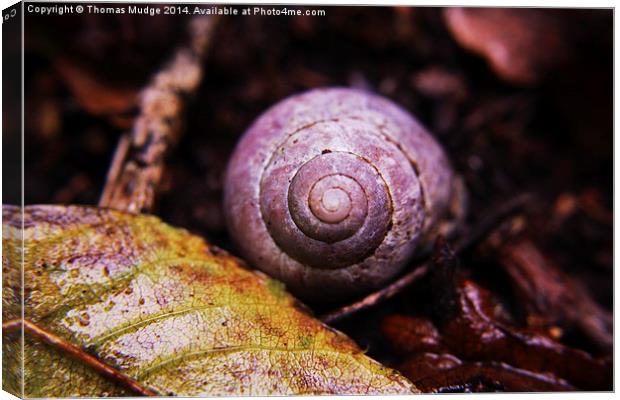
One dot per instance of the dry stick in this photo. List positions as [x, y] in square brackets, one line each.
[138, 162]
[474, 236]
[79, 354]
[376, 297]
[487, 224]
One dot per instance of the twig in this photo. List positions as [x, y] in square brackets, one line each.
[384, 294]
[138, 162]
[486, 225]
[475, 235]
[64, 346]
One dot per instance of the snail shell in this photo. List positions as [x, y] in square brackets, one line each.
[333, 190]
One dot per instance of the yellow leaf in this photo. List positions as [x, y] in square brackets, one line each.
[164, 309]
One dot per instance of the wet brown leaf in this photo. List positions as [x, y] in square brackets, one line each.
[475, 326]
[550, 296]
[469, 343]
[446, 373]
[412, 334]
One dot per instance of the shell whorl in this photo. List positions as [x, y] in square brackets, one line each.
[335, 211]
[332, 190]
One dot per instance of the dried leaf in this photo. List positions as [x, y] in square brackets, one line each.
[94, 95]
[521, 45]
[472, 344]
[551, 296]
[164, 308]
[476, 330]
[446, 373]
[411, 334]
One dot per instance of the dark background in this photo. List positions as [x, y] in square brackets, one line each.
[540, 121]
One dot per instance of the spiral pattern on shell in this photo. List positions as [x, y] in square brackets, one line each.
[332, 190]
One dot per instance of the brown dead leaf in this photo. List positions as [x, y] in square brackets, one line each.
[521, 45]
[446, 373]
[96, 96]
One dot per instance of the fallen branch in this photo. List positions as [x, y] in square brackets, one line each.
[138, 162]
